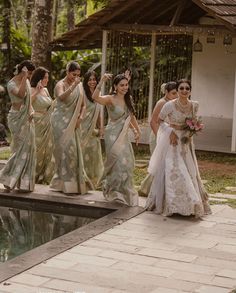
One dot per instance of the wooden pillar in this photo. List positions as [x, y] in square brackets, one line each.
[233, 142]
[151, 77]
[103, 70]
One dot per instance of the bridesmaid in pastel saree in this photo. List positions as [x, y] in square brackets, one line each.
[119, 165]
[19, 170]
[43, 106]
[170, 93]
[70, 176]
[90, 134]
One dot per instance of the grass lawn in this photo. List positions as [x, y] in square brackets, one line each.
[217, 170]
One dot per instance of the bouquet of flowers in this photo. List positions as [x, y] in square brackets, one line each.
[192, 126]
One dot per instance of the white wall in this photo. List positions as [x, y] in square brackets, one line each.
[213, 78]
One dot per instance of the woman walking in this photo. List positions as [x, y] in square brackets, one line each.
[176, 187]
[68, 113]
[91, 131]
[19, 170]
[119, 165]
[43, 106]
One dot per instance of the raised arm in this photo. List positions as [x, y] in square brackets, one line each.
[21, 91]
[36, 90]
[105, 99]
[155, 120]
[63, 94]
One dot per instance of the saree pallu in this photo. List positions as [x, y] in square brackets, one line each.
[70, 176]
[19, 170]
[44, 146]
[119, 165]
[147, 181]
[176, 186]
[91, 145]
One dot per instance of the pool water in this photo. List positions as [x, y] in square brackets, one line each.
[22, 230]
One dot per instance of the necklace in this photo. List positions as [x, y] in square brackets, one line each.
[166, 99]
[183, 107]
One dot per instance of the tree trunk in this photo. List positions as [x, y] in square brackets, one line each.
[55, 13]
[29, 9]
[70, 15]
[42, 33]
[6, 34]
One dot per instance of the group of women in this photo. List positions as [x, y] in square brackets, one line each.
[57, 141]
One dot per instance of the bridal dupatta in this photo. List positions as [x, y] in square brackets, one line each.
[119, 164]
[19, 170]
[90, 143]
[70, 176]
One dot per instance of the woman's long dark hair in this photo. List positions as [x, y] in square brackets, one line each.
[128, 98]
[85, 84]
[38, 75]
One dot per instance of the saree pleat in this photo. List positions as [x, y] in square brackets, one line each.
[19, 170]
[91, 145]
[119, 165]
[44, 141]
[70, 176]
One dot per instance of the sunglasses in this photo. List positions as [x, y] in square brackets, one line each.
[184, 88]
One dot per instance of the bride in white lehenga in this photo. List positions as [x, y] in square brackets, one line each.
[176, 186]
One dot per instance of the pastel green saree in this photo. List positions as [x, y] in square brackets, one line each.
[43, 138]
[119, 165]
[91, 145]
[19, 171]
[70, 176]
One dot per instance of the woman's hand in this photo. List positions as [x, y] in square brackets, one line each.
[127, 74]
[106, 76]
[173, 139]
[24, 70]
[78, 122]
[101, 132]
[137, 136]
[39, 86]
[77, 80]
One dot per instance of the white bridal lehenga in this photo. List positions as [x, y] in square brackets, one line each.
[176, 186]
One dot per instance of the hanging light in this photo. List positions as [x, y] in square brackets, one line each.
[211, 38]
[227, 40]
[197, 46]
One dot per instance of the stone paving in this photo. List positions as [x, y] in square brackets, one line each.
[148, 253]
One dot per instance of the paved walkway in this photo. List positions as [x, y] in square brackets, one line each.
[148, 253]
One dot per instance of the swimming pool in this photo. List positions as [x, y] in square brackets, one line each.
[22, 230]
[79, 218]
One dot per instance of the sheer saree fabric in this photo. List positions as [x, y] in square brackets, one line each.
[176, 186]
[19, 170]
[69, 176]
[45, 165]
[119, 165]
[147, 181]
[91, 145]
